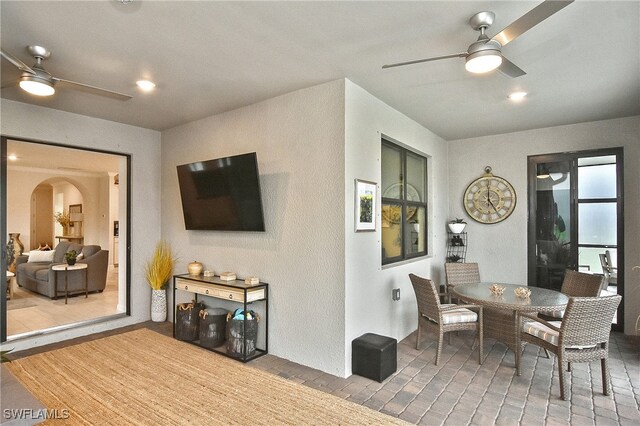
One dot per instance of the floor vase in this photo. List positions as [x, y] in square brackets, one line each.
[14, 249]
[159, 305]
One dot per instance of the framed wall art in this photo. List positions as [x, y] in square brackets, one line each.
[365, 206]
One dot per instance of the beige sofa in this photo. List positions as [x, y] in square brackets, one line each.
[40, 278]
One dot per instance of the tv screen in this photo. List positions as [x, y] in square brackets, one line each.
[222, 194]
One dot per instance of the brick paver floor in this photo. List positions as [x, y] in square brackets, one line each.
[460, 391]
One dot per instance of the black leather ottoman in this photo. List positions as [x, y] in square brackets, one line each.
[374, 357]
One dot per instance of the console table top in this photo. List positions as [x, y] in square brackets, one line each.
[216, 280]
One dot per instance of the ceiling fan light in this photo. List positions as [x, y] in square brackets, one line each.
[543, 172]
[36, 86]
[483, 61]
[517, 96]
[146, 85]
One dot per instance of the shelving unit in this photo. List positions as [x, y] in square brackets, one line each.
[456, 246]
[237, 292]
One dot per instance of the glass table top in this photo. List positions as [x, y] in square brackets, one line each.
[541, 299]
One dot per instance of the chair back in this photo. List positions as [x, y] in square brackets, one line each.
[426, 296]
[587, 320]
[579, 284]
[462, 273]
[605, 262]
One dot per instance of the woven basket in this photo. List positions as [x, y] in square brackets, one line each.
[187, 321]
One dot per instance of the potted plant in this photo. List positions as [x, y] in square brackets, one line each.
[71, 257]
[64, 220]
[457, 225]
[454, 258]
[158, 271]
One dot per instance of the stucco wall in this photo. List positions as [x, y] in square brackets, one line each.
[299, 140]
[32, 122]
[368, 304]
[501, 249]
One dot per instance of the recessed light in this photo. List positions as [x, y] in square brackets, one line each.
[12, 157]
[146, 85]
[517, 96]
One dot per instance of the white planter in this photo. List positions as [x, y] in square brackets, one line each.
[457, 228]
[158, 305]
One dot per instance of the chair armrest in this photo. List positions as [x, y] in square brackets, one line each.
[451, 308]
[533, 317]
[23, 258]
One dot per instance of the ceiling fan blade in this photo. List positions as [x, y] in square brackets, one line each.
[437, 58]
[17, 62]
[93, 89]
[510, 69]
[530, 20]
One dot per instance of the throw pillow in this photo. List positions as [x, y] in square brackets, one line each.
[41, 256]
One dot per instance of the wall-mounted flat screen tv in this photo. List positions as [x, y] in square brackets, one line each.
[222, 194]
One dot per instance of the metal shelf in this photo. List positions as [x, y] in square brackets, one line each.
[456, 247]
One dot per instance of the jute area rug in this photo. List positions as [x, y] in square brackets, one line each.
[145, 378]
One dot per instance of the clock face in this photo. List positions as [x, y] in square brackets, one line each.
[489, 199]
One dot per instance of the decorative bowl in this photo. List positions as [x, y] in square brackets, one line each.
[497, 289]
[522, 292]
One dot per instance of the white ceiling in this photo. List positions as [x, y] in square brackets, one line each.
[65, 160]
[582, 64]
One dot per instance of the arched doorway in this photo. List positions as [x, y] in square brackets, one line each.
[56, 213]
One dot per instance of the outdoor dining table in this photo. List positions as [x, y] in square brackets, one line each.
[500, 321]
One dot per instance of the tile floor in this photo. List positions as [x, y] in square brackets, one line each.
[29, 311]
[460, 391]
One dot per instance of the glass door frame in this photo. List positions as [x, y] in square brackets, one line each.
[3, 236]
[572, 157]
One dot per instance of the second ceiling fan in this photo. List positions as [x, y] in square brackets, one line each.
[485, 54]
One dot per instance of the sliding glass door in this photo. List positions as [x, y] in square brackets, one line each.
[576, 218]
[57, 199]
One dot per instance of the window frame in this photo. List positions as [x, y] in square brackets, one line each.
[405, 204]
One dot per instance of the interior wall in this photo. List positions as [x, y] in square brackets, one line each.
[38, 123]
[21, 181]
[299, 140]
[368, 304]
[501, 249]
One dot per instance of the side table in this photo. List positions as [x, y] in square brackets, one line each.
[66, 268]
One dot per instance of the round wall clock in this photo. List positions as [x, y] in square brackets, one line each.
[489, 199]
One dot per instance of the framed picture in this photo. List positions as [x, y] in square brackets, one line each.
[365, 205]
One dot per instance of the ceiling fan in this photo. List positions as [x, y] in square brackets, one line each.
[37, 81]
[485, 54]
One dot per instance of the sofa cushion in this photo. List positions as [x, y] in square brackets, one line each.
[42, 274]
[30, 269]
[75, 246]
[41, 256]
[90, 250]
[61, 249]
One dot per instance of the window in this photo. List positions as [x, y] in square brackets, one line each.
[404, 204]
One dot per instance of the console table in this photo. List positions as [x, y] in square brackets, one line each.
[71, 238]
[235, 291]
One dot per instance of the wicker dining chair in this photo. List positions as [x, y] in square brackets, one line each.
[582, 336]
[460, 273]
[609, 271]
[443, 318]
[576, 284]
